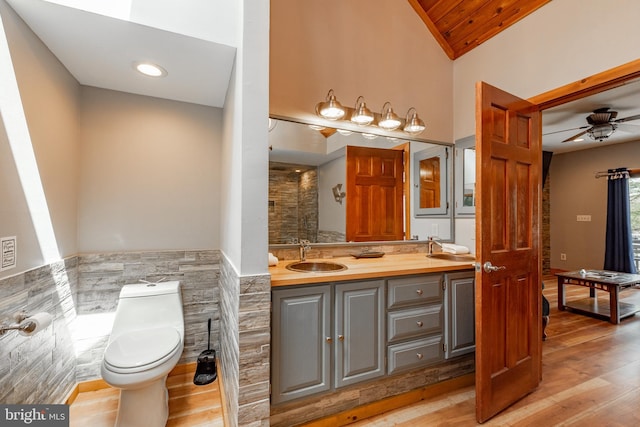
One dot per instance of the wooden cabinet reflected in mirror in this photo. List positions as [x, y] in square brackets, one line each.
[430, 181]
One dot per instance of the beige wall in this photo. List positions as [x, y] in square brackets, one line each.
[44, 124]
[379, 49]
[576, 191]
[149, 173]
[562, 42]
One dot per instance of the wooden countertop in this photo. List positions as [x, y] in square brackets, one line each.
[366, 268]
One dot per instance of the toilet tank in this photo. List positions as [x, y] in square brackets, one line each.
[149, 305]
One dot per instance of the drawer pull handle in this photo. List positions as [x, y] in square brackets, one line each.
[419, 291]
[341, 337]
[419, 323]
[329, 340]
[419, 356]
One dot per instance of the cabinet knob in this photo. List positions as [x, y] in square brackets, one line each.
[419, 356]
[341, 337]
[419, 323]
[419, 291]
[329, 340]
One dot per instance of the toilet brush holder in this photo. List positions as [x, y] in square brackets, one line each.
[206, 371]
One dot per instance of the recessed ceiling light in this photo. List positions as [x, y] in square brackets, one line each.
[149, 69]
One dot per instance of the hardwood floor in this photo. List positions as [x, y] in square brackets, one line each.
[189, 405]
[590, 377]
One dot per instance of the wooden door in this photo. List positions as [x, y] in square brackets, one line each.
[508, 299]
[375, 194]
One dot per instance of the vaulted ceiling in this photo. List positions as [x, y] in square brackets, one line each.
[461, 25]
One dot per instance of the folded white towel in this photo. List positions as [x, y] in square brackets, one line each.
[454, 249]
[273, 260]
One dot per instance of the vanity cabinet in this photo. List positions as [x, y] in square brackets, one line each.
[326, 336]
[414, 322]
[460, 325]
[301, 323]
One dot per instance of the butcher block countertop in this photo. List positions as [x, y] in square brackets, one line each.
[366, 268]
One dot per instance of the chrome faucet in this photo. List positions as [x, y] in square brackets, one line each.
[430, 244]
[304, 247]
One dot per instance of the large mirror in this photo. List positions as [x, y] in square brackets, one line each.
[323, 186]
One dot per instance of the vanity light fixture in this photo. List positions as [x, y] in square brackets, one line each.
[362, 115]
[413, 124]
[344, 132]
[389, 119]
[149, 69]
[369, 136]
[330, 108]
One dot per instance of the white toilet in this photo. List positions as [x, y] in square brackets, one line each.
[146, 343]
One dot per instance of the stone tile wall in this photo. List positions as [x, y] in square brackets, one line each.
[245, 307]
[293, 203]
[82, 293]
[40, 368]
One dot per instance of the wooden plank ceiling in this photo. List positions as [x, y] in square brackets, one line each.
[461, 25]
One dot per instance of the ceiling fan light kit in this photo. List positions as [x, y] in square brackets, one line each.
[387, 120]
[602, 124]
[602, 131]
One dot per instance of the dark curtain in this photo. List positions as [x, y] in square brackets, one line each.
[618, 255]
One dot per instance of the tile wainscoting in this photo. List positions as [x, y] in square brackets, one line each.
[40, 368]
[81, 292]
[245, 308]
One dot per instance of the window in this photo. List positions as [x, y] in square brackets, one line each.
[634, 202]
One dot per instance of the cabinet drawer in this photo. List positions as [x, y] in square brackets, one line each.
[414, 290]
[414, 354]
[415, 322]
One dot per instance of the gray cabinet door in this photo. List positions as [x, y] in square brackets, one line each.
[460, 319]
[359, 331]
[301, 348]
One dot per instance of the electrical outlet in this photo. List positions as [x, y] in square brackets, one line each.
[563, 257]
[584, 218]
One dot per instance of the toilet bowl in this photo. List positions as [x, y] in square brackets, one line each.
[146, 342]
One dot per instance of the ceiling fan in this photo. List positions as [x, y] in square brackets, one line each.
[602, 123]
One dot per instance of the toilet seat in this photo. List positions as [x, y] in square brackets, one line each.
[140, 350]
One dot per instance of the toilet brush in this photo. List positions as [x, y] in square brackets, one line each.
[206, 368]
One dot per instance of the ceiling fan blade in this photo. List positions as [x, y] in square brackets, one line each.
[565, 130]
[576, 136]
[629, 127]
[627, 119]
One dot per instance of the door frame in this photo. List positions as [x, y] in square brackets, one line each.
[591, 85]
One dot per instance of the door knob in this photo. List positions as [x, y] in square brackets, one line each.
[490, 268]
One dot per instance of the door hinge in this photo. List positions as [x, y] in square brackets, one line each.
[444, 347]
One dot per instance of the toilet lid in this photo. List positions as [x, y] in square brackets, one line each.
[138, 348]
